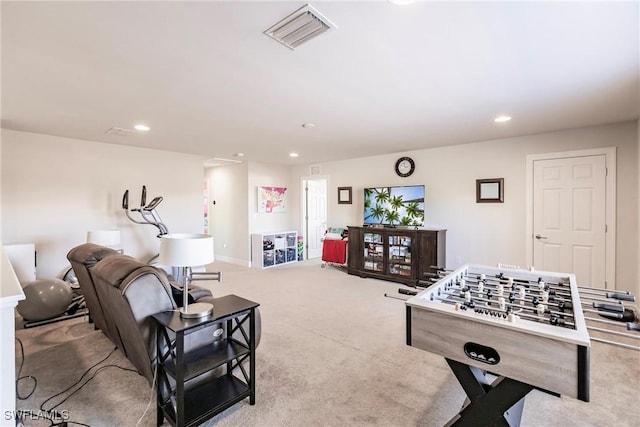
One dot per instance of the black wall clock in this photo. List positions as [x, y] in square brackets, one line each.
[405, 166]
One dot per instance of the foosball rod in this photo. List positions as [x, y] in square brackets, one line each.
[515, 280]
[606, 306]
[606, 300]
[526, 298]
[529, 284]
[605, 321]
[590, 288]
[606, 293]
[527, 316]
[609, 331]
[617, 344]
[395, 297]
[518, 306]
[602, 311]
[622, 296]
[615, 305]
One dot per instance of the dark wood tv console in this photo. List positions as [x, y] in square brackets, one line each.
[404, 255]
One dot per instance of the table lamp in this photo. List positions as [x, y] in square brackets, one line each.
[186, 251]
[108, 238]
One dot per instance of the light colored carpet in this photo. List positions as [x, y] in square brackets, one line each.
[333, 353]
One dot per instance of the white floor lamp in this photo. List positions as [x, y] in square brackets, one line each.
[186, 251]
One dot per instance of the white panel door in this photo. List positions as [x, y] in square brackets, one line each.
[569, 224]
[316, 216]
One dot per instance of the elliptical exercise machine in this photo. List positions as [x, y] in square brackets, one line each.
[150, 216]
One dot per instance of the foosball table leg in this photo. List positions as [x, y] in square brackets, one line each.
[499, 403]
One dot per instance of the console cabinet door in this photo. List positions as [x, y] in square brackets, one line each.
[428, 254]
[400, 251]
[356, 249]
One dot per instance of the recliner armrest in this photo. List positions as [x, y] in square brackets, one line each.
[195, 293]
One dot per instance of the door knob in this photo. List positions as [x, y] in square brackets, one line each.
[538, 236]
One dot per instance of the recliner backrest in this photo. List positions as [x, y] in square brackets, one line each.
[83, 258]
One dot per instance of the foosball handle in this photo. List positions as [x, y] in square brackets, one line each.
[610, 315]
[633, 326]
[620, 297]
[609, 307]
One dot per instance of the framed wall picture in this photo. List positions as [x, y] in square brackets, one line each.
[344, 195]
[490, 190]
[272, 199]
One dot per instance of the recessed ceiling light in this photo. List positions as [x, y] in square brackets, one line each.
[293, 154]
[501, 119]
[401, 2]
[308, 125]
[238, 155]
[142, 128]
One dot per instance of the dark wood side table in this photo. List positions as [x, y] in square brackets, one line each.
[185, 405]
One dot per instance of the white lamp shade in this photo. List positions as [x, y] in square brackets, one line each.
[110, 238]
[186, 250]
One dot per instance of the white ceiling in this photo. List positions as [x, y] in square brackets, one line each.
[389, 79]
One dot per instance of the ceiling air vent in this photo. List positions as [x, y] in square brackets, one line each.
[217, 161]
[300, 27]
[120, 131]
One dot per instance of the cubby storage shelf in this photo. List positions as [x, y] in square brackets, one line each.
[273, 249]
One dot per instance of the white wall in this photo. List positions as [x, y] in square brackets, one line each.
[56, 189]
[491, 233]
[228, 217]
[270, 175]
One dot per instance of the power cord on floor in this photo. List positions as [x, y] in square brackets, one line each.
[26, 377]
[83, 383]
[56, 418]
[153, 387]
[74, 384]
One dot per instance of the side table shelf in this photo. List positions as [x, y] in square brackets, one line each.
[184, 404]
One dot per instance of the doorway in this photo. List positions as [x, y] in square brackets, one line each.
[571, 215]
[314, 212]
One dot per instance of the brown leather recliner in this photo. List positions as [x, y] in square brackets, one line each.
[82, 259]
[132, 292]
[129, 293]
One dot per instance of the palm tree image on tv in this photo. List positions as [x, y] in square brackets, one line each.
[394, 205]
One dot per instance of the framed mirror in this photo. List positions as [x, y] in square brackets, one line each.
[344, 195]
[490, 190]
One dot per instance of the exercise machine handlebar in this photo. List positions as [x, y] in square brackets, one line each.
[143, 198]
[148, 214]
[153, 204]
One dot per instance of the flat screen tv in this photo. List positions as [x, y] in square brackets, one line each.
[393, 206]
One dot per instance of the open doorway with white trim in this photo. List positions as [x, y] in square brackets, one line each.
[314, 214]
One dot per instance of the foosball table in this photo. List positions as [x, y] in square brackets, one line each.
[526, 328]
